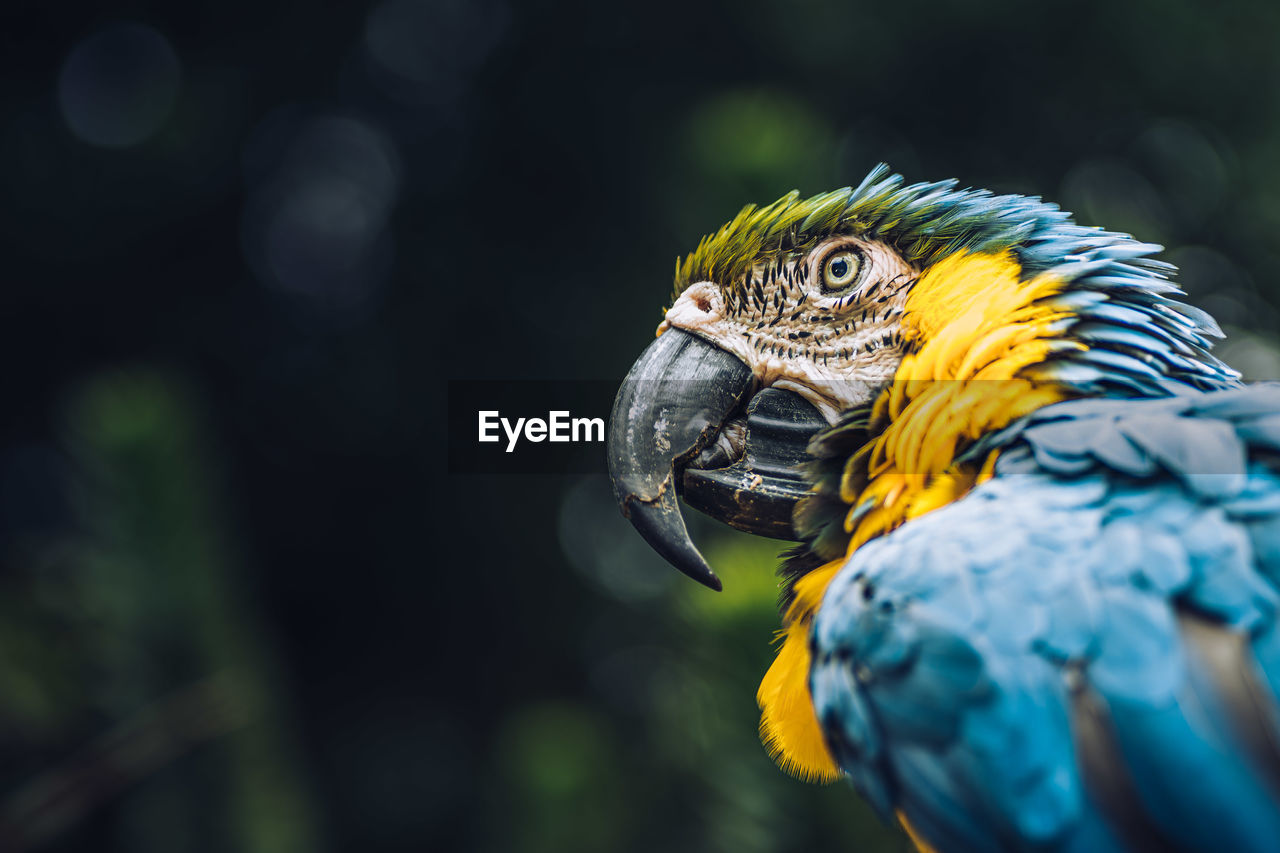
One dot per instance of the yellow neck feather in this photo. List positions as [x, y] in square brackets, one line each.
[975, 324]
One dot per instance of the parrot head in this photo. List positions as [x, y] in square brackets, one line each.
[801, 334]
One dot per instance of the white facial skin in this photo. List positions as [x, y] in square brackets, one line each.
[823, 323]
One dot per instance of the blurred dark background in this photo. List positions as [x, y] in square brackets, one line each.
[243, 605]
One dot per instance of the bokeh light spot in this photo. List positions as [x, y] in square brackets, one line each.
[1188, 168]
[423, 52]
[769, 141]
[317, 221]
[1256, 354]
[1109, 193]
[604, 549]
[118, 86]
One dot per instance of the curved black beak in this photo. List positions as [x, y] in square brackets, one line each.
[670, 409]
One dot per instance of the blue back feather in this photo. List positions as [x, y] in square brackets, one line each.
[950, 656]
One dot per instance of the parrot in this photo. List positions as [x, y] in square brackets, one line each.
[1033, 596]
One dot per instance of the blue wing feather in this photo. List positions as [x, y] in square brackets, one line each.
[947, 653]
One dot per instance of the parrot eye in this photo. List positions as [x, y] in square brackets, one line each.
[840, 270]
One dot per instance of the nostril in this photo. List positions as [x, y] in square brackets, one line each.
[700, 306]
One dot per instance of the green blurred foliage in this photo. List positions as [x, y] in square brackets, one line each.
[692, 773]
[140, 624]
[761, 140]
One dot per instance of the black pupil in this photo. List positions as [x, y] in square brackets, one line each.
[839, 268]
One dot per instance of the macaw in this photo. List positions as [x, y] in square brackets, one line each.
[1033, 604]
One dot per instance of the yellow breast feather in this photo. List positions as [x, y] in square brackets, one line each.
[975, 324]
